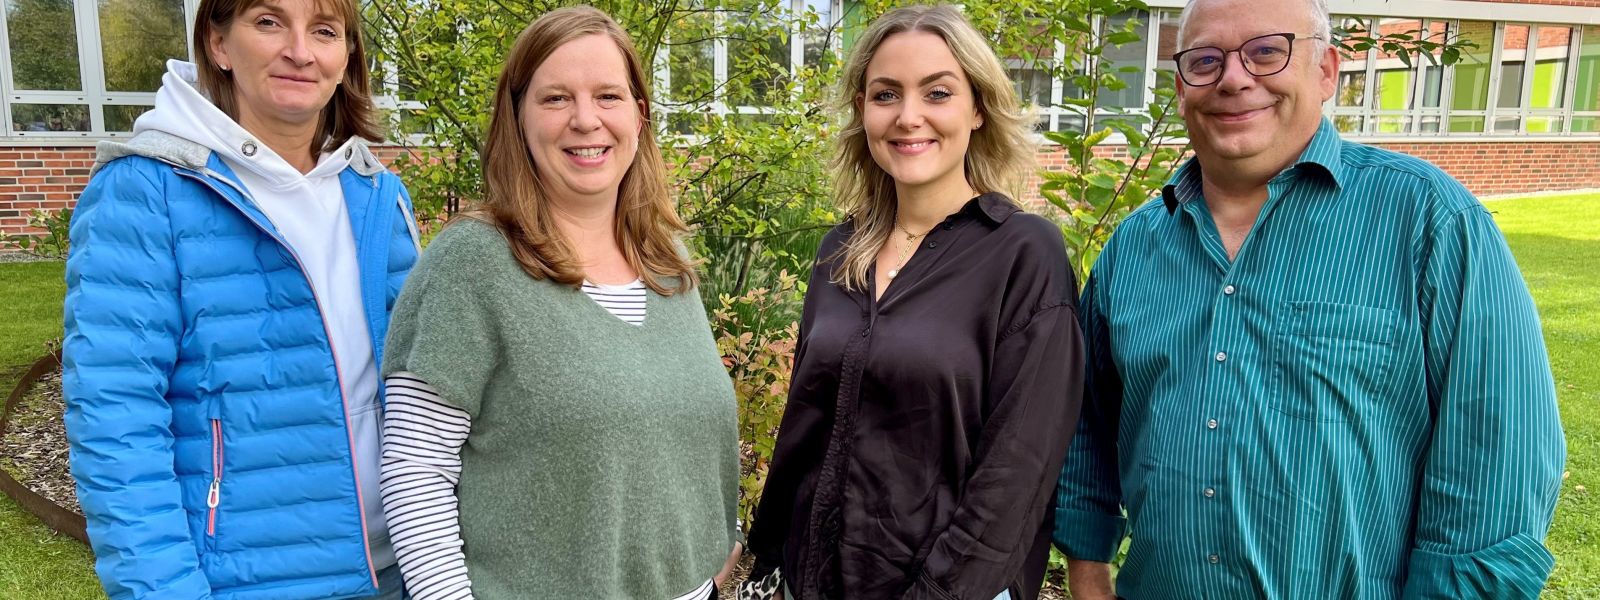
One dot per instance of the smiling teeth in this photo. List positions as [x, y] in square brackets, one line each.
[588, 152]
[913, 145]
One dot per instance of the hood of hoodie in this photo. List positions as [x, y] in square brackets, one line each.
[185, 128]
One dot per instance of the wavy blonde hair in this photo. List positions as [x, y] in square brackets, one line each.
[647, 225]
[999, 158]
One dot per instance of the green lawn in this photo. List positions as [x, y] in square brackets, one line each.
[1556, 240]
[35, 563]
[1557, 244]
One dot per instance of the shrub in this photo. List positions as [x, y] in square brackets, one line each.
[52, 243]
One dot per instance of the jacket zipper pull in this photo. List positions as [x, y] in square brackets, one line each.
[214, 497]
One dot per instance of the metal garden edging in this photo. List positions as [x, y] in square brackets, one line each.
[51, 514]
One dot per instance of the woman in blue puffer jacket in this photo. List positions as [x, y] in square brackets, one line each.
[232, 272]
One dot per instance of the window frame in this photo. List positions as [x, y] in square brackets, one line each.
[386, 97]
[92, 93]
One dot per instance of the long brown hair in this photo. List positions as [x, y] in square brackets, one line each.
[515, 200]
[348, 114]
[999, 157]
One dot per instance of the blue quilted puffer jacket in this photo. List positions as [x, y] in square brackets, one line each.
[196, 358]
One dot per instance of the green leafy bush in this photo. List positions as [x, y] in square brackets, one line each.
[756, 337]
[52, 243]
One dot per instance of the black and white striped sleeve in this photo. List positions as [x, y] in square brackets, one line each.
[422, 439]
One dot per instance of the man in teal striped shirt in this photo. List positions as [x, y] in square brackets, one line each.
[1314, 369]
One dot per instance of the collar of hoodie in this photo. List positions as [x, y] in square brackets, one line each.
[181, 110]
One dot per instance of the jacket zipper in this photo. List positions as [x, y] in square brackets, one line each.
[338, 372]
[214, 495]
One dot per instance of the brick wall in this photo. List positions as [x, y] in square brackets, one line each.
[48, 178]
[1486, 168]
[51, 177]
[1495, 168]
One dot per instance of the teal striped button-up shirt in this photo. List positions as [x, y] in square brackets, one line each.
[1358, 405]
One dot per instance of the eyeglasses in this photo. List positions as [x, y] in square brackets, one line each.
[1261, 56]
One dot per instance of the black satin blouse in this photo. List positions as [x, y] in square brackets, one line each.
[925, 431]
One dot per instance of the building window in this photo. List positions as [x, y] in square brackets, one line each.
[1351, 97]
[43, 39]
[1586, 101]
[1551, 47]
[1394, 83]
[87, 68]
[1513, 66]
[75, 69]
[1470, 101]
[136, 38]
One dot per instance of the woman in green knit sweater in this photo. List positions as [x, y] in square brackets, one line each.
[559, 421]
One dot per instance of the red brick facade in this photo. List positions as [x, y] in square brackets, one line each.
[50, 178]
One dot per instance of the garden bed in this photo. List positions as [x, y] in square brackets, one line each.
[33, 450]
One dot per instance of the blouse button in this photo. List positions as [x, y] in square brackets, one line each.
[1228, 290]
[933, 244]
[248, 148]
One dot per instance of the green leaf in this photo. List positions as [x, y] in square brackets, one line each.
[1450, 55]
[1102, 180]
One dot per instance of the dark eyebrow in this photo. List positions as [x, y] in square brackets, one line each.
[892, 82]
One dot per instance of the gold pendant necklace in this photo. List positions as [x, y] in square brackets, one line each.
[905, 250]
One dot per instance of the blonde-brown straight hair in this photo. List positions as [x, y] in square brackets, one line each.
[999, 157]
[348, 114]
[515, 200]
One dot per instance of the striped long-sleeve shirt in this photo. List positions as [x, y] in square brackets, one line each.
[1357, 405]
[423, 436]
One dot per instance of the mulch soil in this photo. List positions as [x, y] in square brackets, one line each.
[34, 448]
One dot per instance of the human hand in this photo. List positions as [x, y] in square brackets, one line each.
[1089, 580]
[727, 567]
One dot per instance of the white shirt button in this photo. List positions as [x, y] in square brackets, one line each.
[1213, 559]
[1228, 290]
[1222, 356]
[1210, 493]
[1211, 424]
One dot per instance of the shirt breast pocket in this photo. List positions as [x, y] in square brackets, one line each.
[1331, 362]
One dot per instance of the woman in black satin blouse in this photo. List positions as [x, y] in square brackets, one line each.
[939, 371]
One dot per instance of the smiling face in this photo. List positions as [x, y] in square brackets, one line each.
[581, 120]
[1256, 119]
[919, 111]
[286, 57]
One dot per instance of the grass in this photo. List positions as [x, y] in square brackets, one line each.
[1557, 244]
[1556, 240]
[35, 562]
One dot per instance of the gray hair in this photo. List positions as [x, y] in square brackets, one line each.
[1321, 24]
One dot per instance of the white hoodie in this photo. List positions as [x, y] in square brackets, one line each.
[308, 210]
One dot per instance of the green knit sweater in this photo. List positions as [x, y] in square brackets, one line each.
[603, 457]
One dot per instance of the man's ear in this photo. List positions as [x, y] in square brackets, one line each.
[1328, 78]
[1178, 85]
